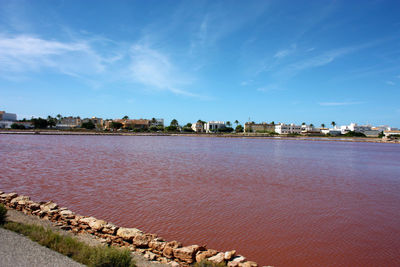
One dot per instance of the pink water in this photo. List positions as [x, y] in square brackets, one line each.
[278, 202]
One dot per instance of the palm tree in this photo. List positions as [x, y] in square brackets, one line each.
[228, 123]
[272, 122]
[236, 122]
[303, 123]
[322, 125]
[333, 124]
[59, 117]
[311, 125]
[126, 117]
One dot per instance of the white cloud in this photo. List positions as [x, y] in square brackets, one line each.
[23, 53]
[154, 69]
[330, 104]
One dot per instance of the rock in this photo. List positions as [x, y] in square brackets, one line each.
[150, 255]
[248, 264]
[128, 233]
[67, 214]
[174, 264]
[87, 220]
[233, 264]
[186, 254]
[20, 200]
[157, 246]
[219, 258]
[97, 224]
[229, 255]
[239, 259]
[168, 250]
[10, 196]
[34, 206]
[49, 206]
[141, 240]
[110, 228]
[205, 254]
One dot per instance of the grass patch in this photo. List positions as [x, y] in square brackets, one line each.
[101, 256]
[205, 263]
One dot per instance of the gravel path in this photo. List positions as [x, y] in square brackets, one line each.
[18, 250]
[17, 216]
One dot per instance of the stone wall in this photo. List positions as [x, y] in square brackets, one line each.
[153, 247]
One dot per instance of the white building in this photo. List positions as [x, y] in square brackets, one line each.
[198, 127]
[213, 126]
[282, 128]
[365, 129]
[7, 119]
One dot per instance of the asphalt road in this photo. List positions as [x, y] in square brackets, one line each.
[18, 250]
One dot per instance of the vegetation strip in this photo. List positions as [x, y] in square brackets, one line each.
[68, 246]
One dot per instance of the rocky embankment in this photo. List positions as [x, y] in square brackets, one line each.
[154, 248]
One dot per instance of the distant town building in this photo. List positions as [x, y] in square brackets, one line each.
[198, 127]
[7, 119]
[392, 133]
[282, 128]
[69, 122]
[213, 126]
[311, 130]
[157, 122]
[4, 116]
[98, 122]
[365, 129]
[129, 124]
[250, 127]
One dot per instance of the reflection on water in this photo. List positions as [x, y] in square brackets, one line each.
[278, 202]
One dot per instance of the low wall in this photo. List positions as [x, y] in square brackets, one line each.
[153, 247]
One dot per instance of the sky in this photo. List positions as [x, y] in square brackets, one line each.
[282, 61]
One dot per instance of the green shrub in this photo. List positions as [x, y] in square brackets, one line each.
[3, 214]
[100, 256]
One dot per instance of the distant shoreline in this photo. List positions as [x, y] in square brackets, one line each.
[230, 135]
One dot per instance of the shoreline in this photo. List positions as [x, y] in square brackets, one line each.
[250, 136]
[151, 246]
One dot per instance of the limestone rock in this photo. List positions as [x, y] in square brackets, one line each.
[20, 200]
[97, 224]
[205, 254]
[169, 248]
[174, 264]
[239, 259]
[229, 255]
[128, 233]
[248, 264]
[219, 258]
[110, 228]
[157, 246]
[141, 240]
[67, 214]
[48, 206]
[186, 254]
[10, 196]
[87, 220]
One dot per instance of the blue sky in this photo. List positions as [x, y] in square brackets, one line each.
[282, 61]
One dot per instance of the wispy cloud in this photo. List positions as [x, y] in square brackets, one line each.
[390, 83]
[333, 104]
[155, 69]
[24, 53]
[285, 52]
